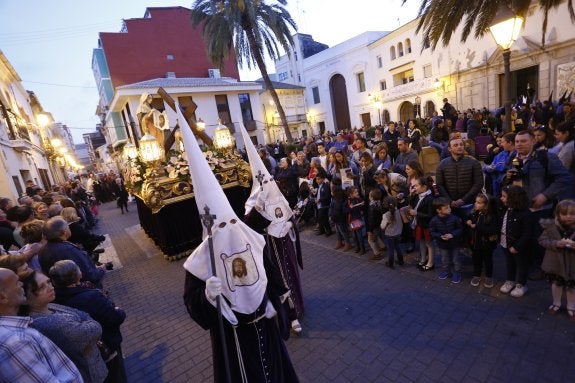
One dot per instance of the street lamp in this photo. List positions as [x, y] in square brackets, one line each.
[505, 29]
[417, 104]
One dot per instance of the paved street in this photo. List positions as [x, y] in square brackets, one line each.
[363, 322]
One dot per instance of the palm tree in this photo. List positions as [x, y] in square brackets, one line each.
[250, 27]
[440, 18]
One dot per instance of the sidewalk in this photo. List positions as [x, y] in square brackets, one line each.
[363, 322]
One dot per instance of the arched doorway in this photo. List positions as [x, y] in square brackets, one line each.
[406, 111]
[385, 117]
[340, 106]
[429, 109]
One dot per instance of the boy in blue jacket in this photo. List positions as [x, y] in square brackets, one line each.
[446, 230]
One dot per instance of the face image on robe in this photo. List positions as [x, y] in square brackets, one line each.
[240, 269]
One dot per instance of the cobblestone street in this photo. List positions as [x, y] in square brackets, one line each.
[363, 322]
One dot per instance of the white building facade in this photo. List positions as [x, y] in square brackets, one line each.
[379, 76]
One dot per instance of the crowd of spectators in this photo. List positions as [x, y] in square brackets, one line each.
[64, 327]
[489, 193]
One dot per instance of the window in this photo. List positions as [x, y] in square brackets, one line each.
[223, 108]
[400, 49]
[427, 72]
[361, 82]
[282, 76]
[382, 85]
[315, 92]
[170, 56]
[392, 53]
[407, 46]
[246, 107]
[295, 55]
[379, 62]
[298, 78]
[17, 185]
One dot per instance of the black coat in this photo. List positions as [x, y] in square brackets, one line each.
[519, 230]
[100, 308]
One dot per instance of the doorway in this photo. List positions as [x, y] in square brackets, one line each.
[340, 106]
[406, 111]
[524, 82]
[365, 120]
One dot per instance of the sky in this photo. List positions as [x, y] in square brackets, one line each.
[50, 43]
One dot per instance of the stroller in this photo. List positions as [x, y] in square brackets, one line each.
[305, 208]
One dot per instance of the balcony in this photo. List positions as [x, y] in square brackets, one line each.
[292, 119]
[410, 89]
[17, 126]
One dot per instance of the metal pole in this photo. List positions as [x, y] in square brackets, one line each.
[507, 90]
[208, 222]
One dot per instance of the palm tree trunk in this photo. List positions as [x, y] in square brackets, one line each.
[262, 66]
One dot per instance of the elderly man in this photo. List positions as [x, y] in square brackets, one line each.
[405, 156]
[27, 355]
[57, 232]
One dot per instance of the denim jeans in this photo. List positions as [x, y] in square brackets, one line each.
[392, 244]
[343, 233]
[450, 260]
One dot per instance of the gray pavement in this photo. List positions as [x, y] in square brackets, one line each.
[363, 322]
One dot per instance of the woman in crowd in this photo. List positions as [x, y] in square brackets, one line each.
[382, 158]
[565, 135]
[66, 277]
[287, 181]
[414, 171]
[314, 168]
[544, 139]
[413, 137]
[73, 331]
[40, 210]
[392, 184]
[342, 162]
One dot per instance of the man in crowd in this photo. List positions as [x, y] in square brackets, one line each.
[341, 143]
[322, 154]
[459, 177]
[57, 232]
[361, 145]
[27, 355]
[546, 181]
[405, 156]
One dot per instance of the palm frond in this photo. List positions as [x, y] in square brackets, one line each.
[439, 19]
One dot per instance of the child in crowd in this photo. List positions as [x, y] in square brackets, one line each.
[355, 205]
[338, 211]
[485, 228]
[558, 238]
[323, 200]
[374, 213]
[392, 226]
[422, 212]
[515, 239]
[446, 230]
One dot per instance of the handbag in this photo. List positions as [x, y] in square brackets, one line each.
[356, 224]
